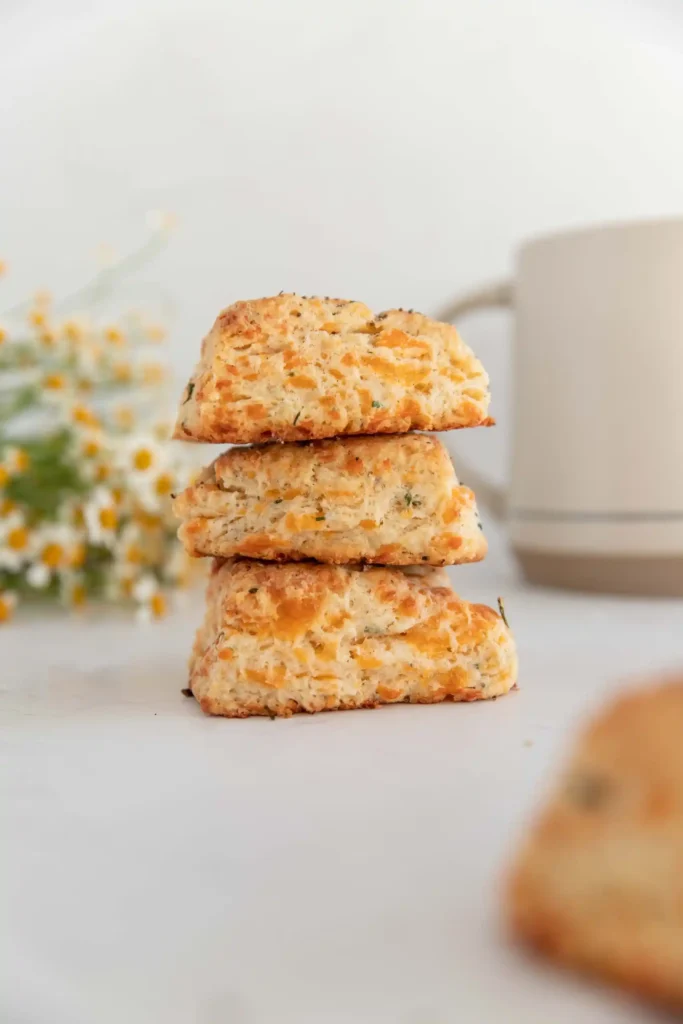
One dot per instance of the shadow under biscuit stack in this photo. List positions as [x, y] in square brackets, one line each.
[329, 525]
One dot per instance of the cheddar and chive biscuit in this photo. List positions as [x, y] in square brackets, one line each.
[282, 638]
[388, 500]
[290, 368]
[599, 885]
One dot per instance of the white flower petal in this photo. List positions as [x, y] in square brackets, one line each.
[38, 575]
[145, 588]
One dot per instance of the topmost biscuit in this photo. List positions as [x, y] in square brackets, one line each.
[291, 368]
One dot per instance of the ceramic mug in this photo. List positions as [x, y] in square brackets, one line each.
[595, 499]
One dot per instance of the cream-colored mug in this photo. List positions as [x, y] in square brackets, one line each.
[595, 499]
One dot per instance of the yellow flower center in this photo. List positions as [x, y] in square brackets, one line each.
[54, 381]
[156, 332]
[3, 267]
[21, 461]
[6, 608]
[124, 417]
[146, 519]
[4, 475]
[134, 554]
[52, 555]
[17, 539]
[82, 414]
[47, 337]
[114, 335]
[91, 448]
[152, 373]
[108, 518]
[164, 484]
[78, 554]
[78, 595]
[123, 372]
[37, 318]
[3, 335]
[158, 605]
[72, 330]
[102, 472]
[142, 459]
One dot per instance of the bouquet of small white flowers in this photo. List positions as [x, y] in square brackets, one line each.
[86, 472]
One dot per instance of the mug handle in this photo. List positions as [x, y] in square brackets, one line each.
[495, 296]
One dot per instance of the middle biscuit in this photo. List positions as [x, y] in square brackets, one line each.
[392, 500]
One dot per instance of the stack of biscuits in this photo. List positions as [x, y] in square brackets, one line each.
[329, 530]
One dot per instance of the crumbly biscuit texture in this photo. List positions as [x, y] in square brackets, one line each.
[599, 884]
[388, 500]
[282, 638]
[291, 368]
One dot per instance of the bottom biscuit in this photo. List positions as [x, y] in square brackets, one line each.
[283, 638]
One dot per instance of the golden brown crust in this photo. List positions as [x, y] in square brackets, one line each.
[278, 639]
[384, 500]
[290, 368]
[599, 884]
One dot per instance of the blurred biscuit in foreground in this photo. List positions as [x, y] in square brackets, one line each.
[289, 368]
[599, 885]
[389, 500]
[282, 638]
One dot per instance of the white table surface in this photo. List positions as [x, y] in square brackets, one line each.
[163, 867]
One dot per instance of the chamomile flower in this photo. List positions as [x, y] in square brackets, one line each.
[52, 553]
[130, 552]
[151, 601]
[124, 417]
[73, 590]
[91, 444]
[101, 518]
[113, 335]
[73, 330]
[154, 492]
[141, 458]
[8, 601]
[162, 430]
[83, 416]
[54, 382]
[152, 373]
[15, 462]
[154, 332]
[16, 542]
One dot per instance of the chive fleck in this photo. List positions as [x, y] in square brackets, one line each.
[376, 405]
[187, 692]
[319, 519]
[590, 792]
[190, 389]
[278, 501]
[296, 418]
[253, 590]
[480, 526]
[501, 609]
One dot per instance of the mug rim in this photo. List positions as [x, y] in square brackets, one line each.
[543, 238]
